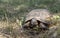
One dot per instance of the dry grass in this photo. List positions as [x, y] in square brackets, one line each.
[12, 30]
[9, 29]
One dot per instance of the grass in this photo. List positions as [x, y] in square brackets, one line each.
[8, 29]
[12, 29]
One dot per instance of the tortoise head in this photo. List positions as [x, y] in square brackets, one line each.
[34, 22]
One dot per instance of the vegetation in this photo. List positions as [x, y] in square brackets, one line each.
[11, 8]
[13, 11]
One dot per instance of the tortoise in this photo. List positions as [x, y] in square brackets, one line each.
[36, 17]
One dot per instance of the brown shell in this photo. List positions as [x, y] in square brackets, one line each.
[38, 14]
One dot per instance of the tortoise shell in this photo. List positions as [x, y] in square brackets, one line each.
[38, 14]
